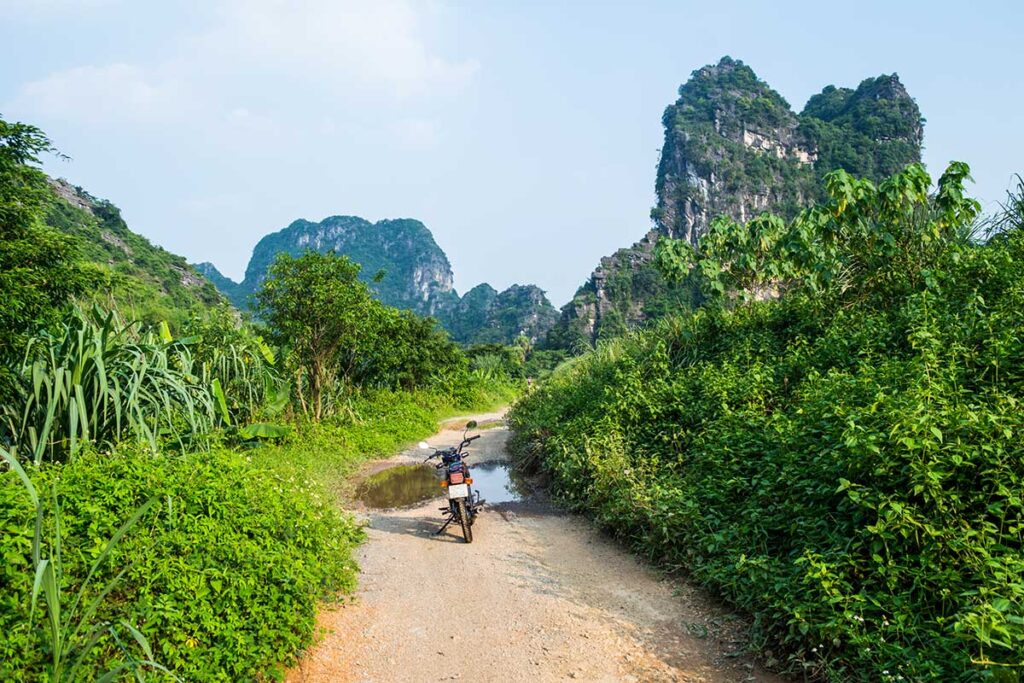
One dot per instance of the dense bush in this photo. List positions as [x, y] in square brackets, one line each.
[222, 576]
[226, 349]
[338, 336]
[846, 462]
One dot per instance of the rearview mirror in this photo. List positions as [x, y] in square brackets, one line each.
[471, 424]
[424, 446]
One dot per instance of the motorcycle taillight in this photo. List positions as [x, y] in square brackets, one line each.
[456, 478]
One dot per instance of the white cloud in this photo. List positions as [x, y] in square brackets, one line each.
[373, 55]
[99, 94]
[373, 45]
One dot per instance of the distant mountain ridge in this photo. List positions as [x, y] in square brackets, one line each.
[734, 147]
[416, 276]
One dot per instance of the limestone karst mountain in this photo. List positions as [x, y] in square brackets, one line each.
[407, 269]
[734, 146]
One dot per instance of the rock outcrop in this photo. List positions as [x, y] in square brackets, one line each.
[406, 269]
[734, 147]
[414, 271]
[519, 311]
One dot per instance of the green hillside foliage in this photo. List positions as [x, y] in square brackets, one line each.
[732, 93]
[705, 126]
[870, 132]
[634, 290]
[142, 281]
[844, 462]
[390, 253]
[467, 318]
[520, 310]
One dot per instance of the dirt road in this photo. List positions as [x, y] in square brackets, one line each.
[538, 596]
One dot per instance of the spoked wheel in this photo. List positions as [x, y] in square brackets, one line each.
[464, 521]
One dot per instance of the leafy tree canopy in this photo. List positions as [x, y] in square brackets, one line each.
[39, 273]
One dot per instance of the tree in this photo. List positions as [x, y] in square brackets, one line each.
[404, 350]
[39, 268]
[317, 307]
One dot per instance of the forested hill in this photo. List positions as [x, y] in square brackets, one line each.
[733, 146]
[143, 281]
[406, 269]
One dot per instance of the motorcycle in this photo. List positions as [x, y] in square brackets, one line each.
[463, 503]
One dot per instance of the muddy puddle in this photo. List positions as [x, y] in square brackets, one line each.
[400, 486]
[496, 484]
[405, 485]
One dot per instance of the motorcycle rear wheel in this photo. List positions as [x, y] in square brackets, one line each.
[464, 522]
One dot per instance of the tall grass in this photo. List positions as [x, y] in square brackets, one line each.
[102, 381]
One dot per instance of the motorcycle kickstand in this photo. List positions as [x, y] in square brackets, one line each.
[441, 530]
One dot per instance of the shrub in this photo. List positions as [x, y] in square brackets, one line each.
[222, 577]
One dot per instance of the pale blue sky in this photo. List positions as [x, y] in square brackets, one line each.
[524, 134]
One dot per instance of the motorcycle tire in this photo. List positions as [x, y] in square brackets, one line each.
[467, 530]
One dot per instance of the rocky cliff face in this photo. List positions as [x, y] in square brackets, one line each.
[416, 272]
[521, 310]
[416, 276]
[733, 146]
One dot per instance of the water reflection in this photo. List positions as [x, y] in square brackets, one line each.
[400, 486]
[496, 484]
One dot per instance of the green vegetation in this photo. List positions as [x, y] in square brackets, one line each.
[339, 336]
[221, 575]
[633, 290]
[731, 88]
[870, 132]
[521, 310]
[39, 267]
[142, 281]
[100, 381]
[843, 462]
[519, 361]
[170, 497]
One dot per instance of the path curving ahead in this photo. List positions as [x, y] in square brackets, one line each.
[538, 596]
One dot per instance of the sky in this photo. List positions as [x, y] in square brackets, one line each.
[524, 134]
